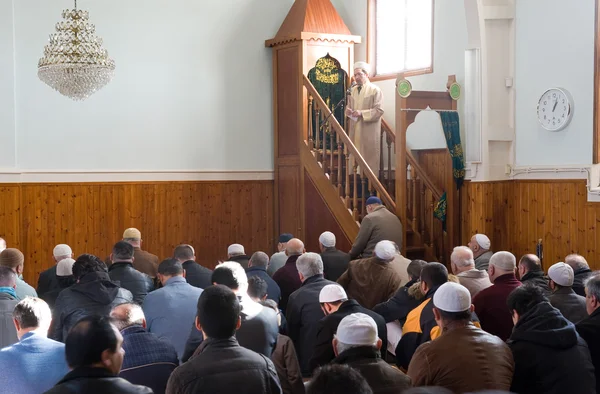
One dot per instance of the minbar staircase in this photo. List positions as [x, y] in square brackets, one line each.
[344, 179]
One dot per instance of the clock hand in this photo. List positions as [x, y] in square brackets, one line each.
[555, 104]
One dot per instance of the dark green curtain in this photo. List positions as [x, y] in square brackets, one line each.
[330, 80]
[441, 208]
[451, 126]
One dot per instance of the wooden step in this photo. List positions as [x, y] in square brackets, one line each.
[415, 252]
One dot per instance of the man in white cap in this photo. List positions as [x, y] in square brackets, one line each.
[480, 245]
[563, 298]
[64, 279]
[335, 262]
[47, 280]
[464, 358]
[490, 303]
[144, 262]
[357, 345]
[336, 306]
[365, 109]
[463, 266]
[372, 280]
[236, 252]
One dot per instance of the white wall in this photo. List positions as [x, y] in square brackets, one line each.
[7, 83]
[192, 89]
[555, 48]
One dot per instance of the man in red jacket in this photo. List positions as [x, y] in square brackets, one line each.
[490, 303]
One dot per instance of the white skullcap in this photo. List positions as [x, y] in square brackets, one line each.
[62, 250]
[506, 261]
[235, 249]
[385, 250]
[452, 297]
[357, 329]
[65, 267]
[364, 66]
[561, 274]
[332, 293]
[483, 241]
[327, 239]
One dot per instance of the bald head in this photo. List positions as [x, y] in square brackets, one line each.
[529, 263]
[462, 259]
[502, 263]
[294, 247]
[577, 262]
[127, 315]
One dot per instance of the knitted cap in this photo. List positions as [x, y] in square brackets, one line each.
[65, 267]
[332, 293]
[452, 297]
[132, 233]
[357, 329]
[62, 250]
[561, 274]
[327, 239]
[11, 258]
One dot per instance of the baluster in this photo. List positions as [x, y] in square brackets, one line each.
[422, 211]
[415, 205]
[311, 141]
[325, 162]
[318, 137]
[347, 186]
[331, 149]
[365, 195]
[432, 220]
[339, 171]
[391, 184]
[355, 187]
[382, 134]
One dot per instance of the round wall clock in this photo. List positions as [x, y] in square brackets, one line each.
[555, 109]
[404, 88]
[455, 91]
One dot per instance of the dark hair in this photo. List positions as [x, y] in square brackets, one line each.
[88, 338]
[122, 251]
[257, 287]
[434, 274]
[170, 267]
[455, 316]
[260, 259]
[8, 278]
[183, 252]
[531, 262]
[87, 263]
[338, 379]
[224, 276]
[525, 297]
[218, 311]
[32, 312]
[414, 268]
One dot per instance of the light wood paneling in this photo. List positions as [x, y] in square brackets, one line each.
[91, 217]
[515, 214]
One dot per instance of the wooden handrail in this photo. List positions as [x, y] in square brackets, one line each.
[413, 162]
[318, 102]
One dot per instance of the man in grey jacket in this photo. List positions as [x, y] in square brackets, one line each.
[563, 298]
[8, 300]
[379, 225]
[463, 266]
[481, 246]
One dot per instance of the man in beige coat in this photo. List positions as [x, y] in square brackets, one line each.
[463, 266]
[379, 225]
[365, 112]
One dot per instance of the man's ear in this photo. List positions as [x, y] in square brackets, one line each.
[334, 343]
[436, 314]
[239, 323]
[144, 323]
[17, 325]
[595, 301]
[184, 273]
[472, 308]
[111, 257]
[379, 343]
[198, 325]
[132, 259]
[106, 358]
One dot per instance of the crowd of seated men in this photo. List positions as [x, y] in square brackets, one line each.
[299, 322]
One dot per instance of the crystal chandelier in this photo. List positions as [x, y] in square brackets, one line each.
[74, 62]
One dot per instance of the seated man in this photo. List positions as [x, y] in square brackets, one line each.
[93, 294]
[278, 259]
[257, 289]
[236, 252]
[15, 260]
[480, 245]
[94, 354]
[335, 304]
[486, 362]
[530, 270]
[63, 279]
[357, 345]
[571, 305]
[47, 280]
[122, 272]
[259, 328]
[221, 362]
[581, 270]
[257, 267]
[195, 274]
[8, 301]
[378, 225]
[338, 379]
[148, 361]
[304, 312]
[549, 355]
[174, 302]
[589, 328]
[463, 266]
[372, 280]
[287, 276]
[335, 262]
[35, 363]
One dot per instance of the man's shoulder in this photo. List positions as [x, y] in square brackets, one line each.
[145, 254]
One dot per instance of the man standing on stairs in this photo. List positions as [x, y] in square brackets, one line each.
[365, 111]
[379, 225]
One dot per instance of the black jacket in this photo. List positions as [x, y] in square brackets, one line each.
[197, 275]
[94, 294]
[538, 278]
[303, 316]
[129, 278]
[62, 283]
[589, 329]
[47, 281]
[335, 263]
[382, 377]
[323, 351]
[581, 275]
[399, 306]
[571, 305]
[242, 259]
[88, 380]
[257, 333]
[550, 357]
[223, 366]
[273, 291]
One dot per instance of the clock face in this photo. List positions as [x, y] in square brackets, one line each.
[555, 109]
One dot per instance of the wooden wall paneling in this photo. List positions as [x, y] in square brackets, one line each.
[10, 212]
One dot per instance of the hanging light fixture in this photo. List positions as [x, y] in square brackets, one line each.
[74, 62]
